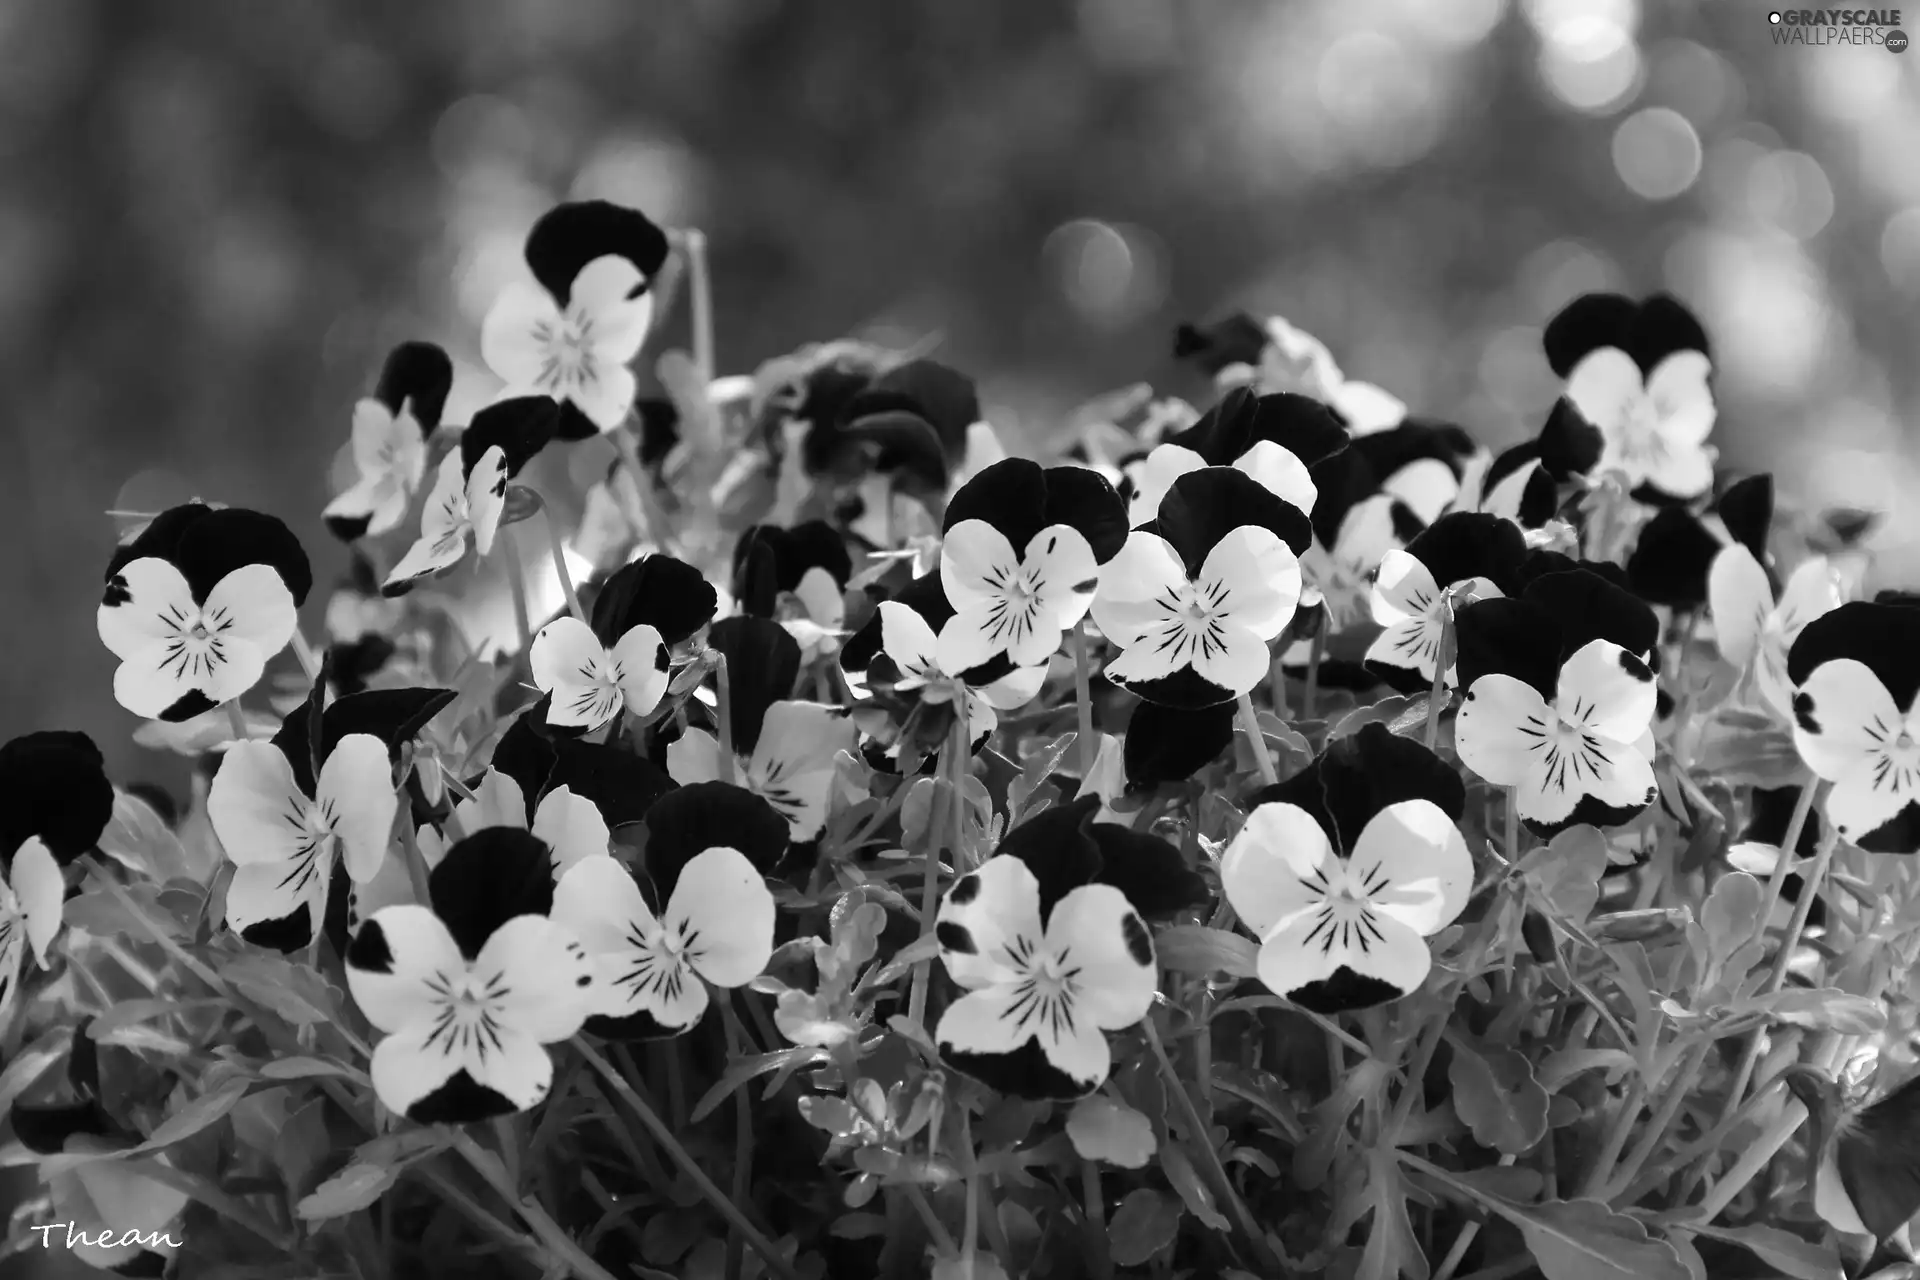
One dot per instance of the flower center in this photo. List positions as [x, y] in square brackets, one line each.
[1640, 428]
[198, 631]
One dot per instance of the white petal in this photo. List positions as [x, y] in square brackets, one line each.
[1099, 937]
[159, 595]
[1686, 471]
[1275, 867]
[1130, 603]
[641, 661]
[907, 640]
[572, 828]
[251, 605]
[822, 598]
[40, 891]
[1427, 485]
[976, 563]
[1154, 475]
[263, 892]
[1501, 729]
[723, 911]
[984, 1021]
[1842, 717]
[1815, 588]
[374, 434]
[1869, 798]
[1413, 645]
[1607, 689]
[600, 295]
[515, 337]
[694, 757]
[1604, 386]
[356, 788]
[1740, 599]
[1368, 408]
[486, 491]
[1682, 399]
[1614, 773]
[540, 973]
[793, 762]
[1279, 471]
[428, 556]
[497, 802]
[1414, 864]
[1404, 589]
[13, 947]
[600, 903]
[987, 918]
[412, 1064]
[1511, 490]
[393, 970]
[1252, 579]
[568, 662]
[446, 510]
[1014, 690]
[256, 807]
[1236, 659]
[606, 397]
[380, 500]
[1314, 946]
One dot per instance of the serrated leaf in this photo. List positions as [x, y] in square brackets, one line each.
[1146, 1222]
[1565, 875]
[1392, 1248]
[1782, 1250]
[1585, 1240]
[295, 992]
[1101, 1128]
[1197, 951]
[1495, 1092]
[348, 1191]
[1821, 1008]
[1185, 1180]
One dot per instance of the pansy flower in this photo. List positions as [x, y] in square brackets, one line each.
[1020, 554]
[910, 421]
[785, 748]
[1560, 699]
[569, 825]
[1273, 438]
[469, 495]
[55, 801]
[1194, 599]
[1639, 372]
[1674, 551]
[700, 912]
[389, 441]
[571, 333]
[619, 784]
[621, 661]
[1345, 870]
[1523, 482]
[1354, 526]
[1461, 557]
[1276, 356]
[1048, 941]
[798, 576]
[470, 987]
[197, 604]
[1855, 671]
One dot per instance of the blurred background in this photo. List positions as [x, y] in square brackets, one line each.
[221, 214]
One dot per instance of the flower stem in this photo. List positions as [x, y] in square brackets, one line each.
[726, 1208]
[1752, 1160]
[560, 566]
[517, 583]
[560, 1246]
[1099, 1256]
[1310, 700]
[953, 757]
[304, 653]
[742, 1139]
[723, 712]
[1083, 699]
[1250, 725]
[701, 294]
[1462, 1242]
[236, 721]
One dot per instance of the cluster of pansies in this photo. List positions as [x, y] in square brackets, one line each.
[605, 827]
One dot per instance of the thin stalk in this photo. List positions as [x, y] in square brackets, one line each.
[952, 760]
[725, 1207]
[742, 1140]
[723, 712]
[1616, 1139]
[517, 584]
[304, 653]
[236, 721]
[1752, 1160]
[1310, 700]
[942, 1241]
[1436, 697]
[1461, 1243]
[1250, 725]
[1415, 1085]
[702, 297]
[558, 1244]
[560, 566]
[1083, 699]
[1656, 1130]
[1099, 1256]
[417, 873]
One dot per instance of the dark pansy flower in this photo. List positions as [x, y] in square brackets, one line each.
[1674, 552]
[1020, 556]
[785, 748]
[1422, 462]
[1639, 372]
[657, 591]
[1461, 557]
[471, 988]
[621, 785]
[469, 493]
[197, 604]
[702, 913]
[572, 333]
[1855, 672]
[390, 430]
[1273, 438]
[55, 801]
[799, 577]
[1275, 356]
[1560, 699]
[1354, 526]
[1051, 951]
[1523, 483]
[1346, 869]
[1194, 599]
[912, 419]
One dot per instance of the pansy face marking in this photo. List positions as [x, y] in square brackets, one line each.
[1753, 630]
[389, 441]
[591, 684]
[461, 505]
[911, 645]
[791, 764]
[1857, 720]
[180, 656]
[577, 353]
[1016, 603]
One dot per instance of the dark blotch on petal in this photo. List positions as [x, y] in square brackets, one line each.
[289, 933]
[1343, 991]
[956, 938]
[1023, 1073]
[1634, 667]
[1884, 636]
[520, 427]
[1139, 942]
[417, 375]
[1803, 712]
[637, 1026]
[369, 951]
[486, 880]
[461, 1100]
[669, 595]
[1359, 775]
[191, 703]
[1592, 812]
[964, 890]
[345, 528]
[1899, 834]
[116, 593]
[569, 236]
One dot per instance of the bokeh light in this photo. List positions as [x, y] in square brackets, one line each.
[1656, 153]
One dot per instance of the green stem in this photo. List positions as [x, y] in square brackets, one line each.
[1462, 1242]
[560, 565]
[1250, 725]
[953, 758]
[1099, 1256]
[742, 1139]
[558, 1244]
[723, 712]
[517, 584]
[1310, 701]
[1752, 1160]
[662, 1135]
[1437, 696]
[701, 293]
[236, 721]
[1083, 699]
[1415, 1086]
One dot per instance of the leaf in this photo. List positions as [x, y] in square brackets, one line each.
[1731, 918]
[1495, 1092]
[917, 811]
[1185, 1179]
[1145, 1223]
[304, 1069]
[1197, 951]
[1782, 1250]
[1565, 875]
[348, 1191]
[207, 1109]
[1821, 1008]
[136, 838]
[741, 1070]
[1585, 1240]
[982, 1266]
[836, 1115]
[296, 993]
[1104, 1129]
[1400, 713]
[1392, 1248]
[1748, 755]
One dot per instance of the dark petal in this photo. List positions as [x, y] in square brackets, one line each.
[370, 951]
[1570, 446]
[526, 752]
[1878, 1159]
[1361, 774]
[1672, 558]
[569, 236]
[145, 1265]
[669, 595]
[461, 1100]
[1343, 482]
[905, 443]
[1300, 424]
[1416, 439]
[44, 1128]
[943, 397]
[925, 595]
[353, 663]
[521, 427]
[53, 784]
[1407, 524]
[1585, 325]
[206, 545]
[756, 575]
[1407, 680]
[623, 786]
[659, 420]
[709, 815]
[1539, 500]
[814, 544]
[486, 880]
[191, 703]
[1886, 637]
[571, 425]
[1149, 870]
[161, 538]
[1204, 506]
[1345, 990]
[1237, 339]
[1508, 461]
[1898, 599]
[1023, 1073]
[1587, 606]
[763, 662]
[1010, 495]
[1056, 847]
[418, 374]
[1592, 812]
[392, 715]
[1470, 544]
[1168, 744]
[1185, 690]
[1899, 834]
[1664, 326]
[348, 528]
[1514, 637]
[1086, 501]
[286, 934]
[1772, 813]
[1746, 508]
